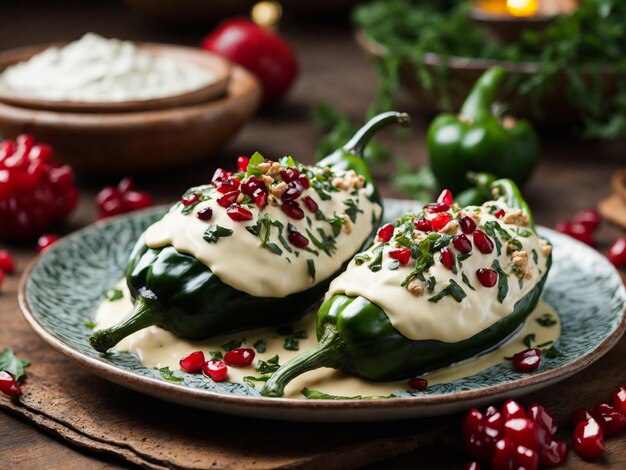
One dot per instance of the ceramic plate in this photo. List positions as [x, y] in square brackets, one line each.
[61, 290]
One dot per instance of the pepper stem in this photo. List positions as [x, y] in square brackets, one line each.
[477, 105]
[327, 353]
[146, 312]
[356, 145]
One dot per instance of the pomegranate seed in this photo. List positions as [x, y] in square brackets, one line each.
[193, 362]
[527, 360]
[447, 258]
[589, 439]
[112, 207]
[241, 357]
[401, 254]
[578, 415]
[7, 148]
[227, 185]
[493, 418]
[26, 141]
[512, 410]
[473, 420]
[482, 242]
[239, 213]
[425, 225]
[289, 174]
[589, 218]
[312, 206]
[252, 184]
[554, 454]
[437, 207]
[462, 243]
[107, 194]
[479, 439]
[610, 420]
[503, 454]
[467, 224]
[205, 214]
[292, 209]
[304, 181]
[418, 384]
[41, 152]
[45, 241]
[219, 175]
[473, 465]
[617, 252]
[440, 221]
[189, 199]
[215, 369]
[242, 163]
[445, 197]
[619, 400]
[487, 277]
[527, 433]
[125, 185]
[228, 199]
[540, 415]
[294, 191]
[8, 385]
[499, 213]
[576, 230]
[260, 198]
[6, 262]
[525, 458]
[137, 200]
[297, 239]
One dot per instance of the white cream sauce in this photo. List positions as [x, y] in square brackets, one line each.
[447, 320]
[97, 69]
[158, 348]
[242, 262]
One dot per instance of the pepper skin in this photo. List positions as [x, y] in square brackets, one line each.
[178, 293]
[477, 140]
[355, 335]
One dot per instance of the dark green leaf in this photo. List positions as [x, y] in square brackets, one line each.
[291, 344]
[167, 374]
[253, 165]
[260, 345]
[12, 364]
[535, 256]
[430, 283]
[268, 367]
[552, 353]
[546, 320]
[352, 209]
[217, 355]
[503, 283]
[214, 232]
[316, 395]
[233, 344]
[528, 340]
[466, 281]
[310, 264]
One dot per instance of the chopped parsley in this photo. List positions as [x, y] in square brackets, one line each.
[291, 344]
[546, 320]
[260, 345]
[167, 374]
[535, 256]
[216, 355]
[466, 281]
[430, 283]
[233, 344]
[352, 209]
[310, 264]
[552, 352]
[528, 340]
[454, 290]
[214, 232]
[503, 282]
[268, 367]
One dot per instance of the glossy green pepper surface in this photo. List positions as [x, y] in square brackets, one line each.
[479, 141]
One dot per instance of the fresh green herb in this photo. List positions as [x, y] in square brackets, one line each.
[260, 345]
[310, 264]
[442, 242]
[291, 344]
[250, 380]
[466, 281]
[490, 229]
[535, 256]
[423, 252]
[287, 161]
[376, 263]
[214, 232]
[216, 355]
[12, 364]
[361, 258]
[112, 294]
[352, 209]
[430, 283]
[543, 345]
[454, 290]
[326, 243]
[253, 165]
[546, 320]
[316, 395]
[464, 256]
[268, 367]
[89, 324]
[167, 374]
[503, 283]
[523, 233]
[552, 352]
[528, 340]
[232, 344]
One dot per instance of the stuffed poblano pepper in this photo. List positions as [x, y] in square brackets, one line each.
[438, 287]
[253, 248]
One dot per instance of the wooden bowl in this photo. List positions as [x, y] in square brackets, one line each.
[552, 109]
[219, 66]
[140, 141]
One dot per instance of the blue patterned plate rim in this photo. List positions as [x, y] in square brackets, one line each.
[323, 410]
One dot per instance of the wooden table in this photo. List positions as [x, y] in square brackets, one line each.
[572, 176]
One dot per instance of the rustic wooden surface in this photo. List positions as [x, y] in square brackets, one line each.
[107, 419]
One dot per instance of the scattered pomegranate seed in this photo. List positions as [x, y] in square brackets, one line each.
[403, 255]
[8, 385]
[512, 410]
[114, 200]
[228, 199]
[227, 185]
[292, 209]
[619, 400]
[311, 205]
[503, 452]
[241, 357]
[610, 420]
[482, 242]
[205, 214]
[418, 384]
[578, 415]
[425, 225]
[297, 239]
[437, 207]
[527, 360]
[487, 277]
[467, 224]
[252, 184]
[462, 243]
[472, 465]
[136, 200]
[540, 415]
[6, 262]
[215, 369]
[41, 152]
[445, 197]
[242, 163]
[554, 454]
[493, 418]
[577, 231]
[294, 191]
[589, 218]
[289, 174]
[440, 221]
[260, 197]
[219, 175]
[304, 181]
[589, 439]
[473, 420]
[617, 252]
[189, 199]
[527, 433]
[499, 213]
[193, 362]
[239, 213]
[525, 458]
[45, 241]
[447, 258]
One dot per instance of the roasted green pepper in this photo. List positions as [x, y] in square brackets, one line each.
[356, 335]
[177, 292]
[477, 140]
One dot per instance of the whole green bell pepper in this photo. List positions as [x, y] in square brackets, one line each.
[179, 293]
[477, 140]
[355, 335]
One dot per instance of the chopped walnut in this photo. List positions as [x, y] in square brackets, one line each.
[515, 217]
[415, 289]
[270, 168]
[268, 180]
[451, 227]
[545, 247]
[279, 189]
[347, 226]
[468, 213]
[273, 201]
[240, 198]
[348, 181]
[264, 166]
[523, 268]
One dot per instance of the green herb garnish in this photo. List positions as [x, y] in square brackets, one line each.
[260, 345]
[253, 165]
[217, 355]
[352, 209]
[233, 344]
[214, 232]
[291, 344]
[167, 374]
[466, 281]
[90, 324]
[268, 367]
[310, 264]
[546, 320]
[10, 363]
[454, 290]
[528, 340]
[552, 352]
[503, 283]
